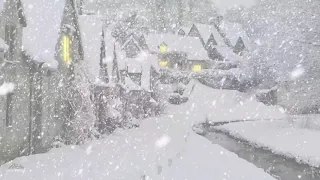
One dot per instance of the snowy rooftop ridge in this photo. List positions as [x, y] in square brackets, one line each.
[190, 45]
[91, 36]
[141, 64]
[234, 31]
[206, 30]
[43, 26]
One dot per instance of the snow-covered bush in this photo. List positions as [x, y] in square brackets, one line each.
[79, 113]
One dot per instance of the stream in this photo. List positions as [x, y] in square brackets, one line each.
[280, 167]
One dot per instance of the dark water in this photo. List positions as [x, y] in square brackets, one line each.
[276, 165]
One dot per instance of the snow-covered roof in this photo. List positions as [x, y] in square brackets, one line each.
[206, 31]
[228, 54]
[2, 5]
[233, 31]
[43, 26]
[141, 64]
[190, 45]
[132, 86]
[3, 45]
[185, 29]
[131, 38]
[91, 36]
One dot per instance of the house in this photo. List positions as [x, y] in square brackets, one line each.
[178, 52]
[43, 44]
[138, 76]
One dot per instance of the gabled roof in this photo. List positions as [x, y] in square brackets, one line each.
[91, 36]
[205, 32]
[233, 31]
[42, 33]
[185, 29]
[131, 39]
[190, 45]
[141, 64]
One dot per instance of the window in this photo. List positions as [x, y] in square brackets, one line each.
[66, 49]
[10, 38]
[163, 48]
[9, 110]
[163, 63]
[197, 68]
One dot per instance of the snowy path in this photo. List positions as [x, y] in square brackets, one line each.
[162, 148]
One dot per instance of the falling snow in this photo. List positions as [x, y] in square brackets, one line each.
[166, 89]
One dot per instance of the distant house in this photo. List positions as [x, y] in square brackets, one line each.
[138, 76]
[178, 52]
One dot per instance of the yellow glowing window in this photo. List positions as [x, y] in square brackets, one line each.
[197, 68]
[163, 63]
[163, 48]
[66, 49]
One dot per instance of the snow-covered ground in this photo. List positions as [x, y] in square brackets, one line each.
[214, 105]
[162, 148]
[295, 137]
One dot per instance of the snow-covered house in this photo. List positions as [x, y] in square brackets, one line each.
[178, 52]
[14, 81]
[138, 76]
[42, 37]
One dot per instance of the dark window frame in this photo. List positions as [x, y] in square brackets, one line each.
[9, 109]
[10, 39]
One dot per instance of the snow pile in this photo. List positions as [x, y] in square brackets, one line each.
[214, 105]
[281, 137]
[6, 88]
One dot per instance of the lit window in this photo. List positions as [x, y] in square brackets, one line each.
[163, 63]
[163, 48]
[197, 68]
[66, 49]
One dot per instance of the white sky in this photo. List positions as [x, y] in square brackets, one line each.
[224, 4]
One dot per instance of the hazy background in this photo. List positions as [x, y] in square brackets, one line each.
[224, 4]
